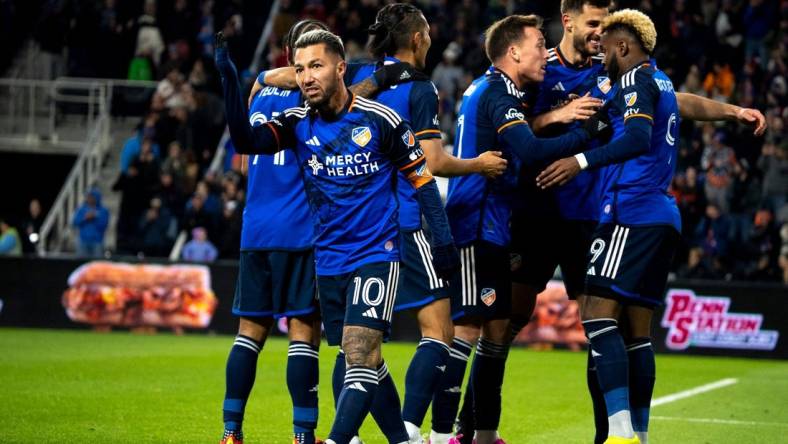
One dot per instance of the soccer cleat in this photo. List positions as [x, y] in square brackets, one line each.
[497, 441]
[620, 440]
[232, 438]
[455, 439]
[317, 441]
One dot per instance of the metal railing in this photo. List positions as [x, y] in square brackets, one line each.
[55, 229]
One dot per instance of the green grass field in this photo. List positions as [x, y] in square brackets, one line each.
[76, 386]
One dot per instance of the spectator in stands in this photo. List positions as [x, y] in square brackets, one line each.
[230, 238]
[745, 197]
[692, 204]
[91, 220]
[774, 165]
[157, 230]
[148, 168]
[719, 162]
[712, 243]
[10, 244]
[169, 91]
[199, 249]
[133, 199]
[132, 146]
[762, 248]
[171, 194]
[175, 162]
[719, 82]
[149, 40]
[758, 21]
[692, 83]
[31, 226]
[196, 215]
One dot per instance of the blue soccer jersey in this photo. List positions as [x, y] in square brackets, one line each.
[417, 103]
[348, 168]
[635, 190]
[492, 117]
[578, 199]
[276, 215]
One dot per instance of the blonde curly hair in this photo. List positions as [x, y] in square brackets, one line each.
[637, 22]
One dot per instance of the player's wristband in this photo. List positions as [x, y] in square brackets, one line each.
[581, 160]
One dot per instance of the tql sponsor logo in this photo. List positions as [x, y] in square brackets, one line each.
[702, 321]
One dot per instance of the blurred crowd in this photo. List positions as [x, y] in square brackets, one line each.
[730, 186]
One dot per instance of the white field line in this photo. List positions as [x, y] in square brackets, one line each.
[721, 421]
[667, 399]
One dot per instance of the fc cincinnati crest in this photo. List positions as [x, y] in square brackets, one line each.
[408, 138]
[603, 83]
[631, 98]
[361, 135]
[488, 296]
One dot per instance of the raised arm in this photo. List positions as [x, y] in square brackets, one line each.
[694, 107]
[264, 139]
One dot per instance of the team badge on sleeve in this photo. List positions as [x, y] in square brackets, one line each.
[361, 135]
[631, 98]
[408, 138]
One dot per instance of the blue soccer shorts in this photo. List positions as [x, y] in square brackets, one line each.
[276, 284]
[419, 284]
[482, 290]
[631, 263]
[365, 298]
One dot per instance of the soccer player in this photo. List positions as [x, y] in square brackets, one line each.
[348, 148]
[277, 272]
[639, 227]
[492, 117]
[568, 215]
[401, 34]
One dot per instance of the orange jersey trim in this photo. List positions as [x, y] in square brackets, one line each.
[645, 116]
[503, 127]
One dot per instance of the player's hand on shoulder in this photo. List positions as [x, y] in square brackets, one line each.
[578, 108]
[558, 173]
[445, 260]
[491, 164]
[752, 117]
[396, 73]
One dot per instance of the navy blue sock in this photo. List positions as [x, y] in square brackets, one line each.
[447, 396]
[465, 425]
[338, 376]
[642, 374]
[597, 400]
[425, 371]
[386, 408]
[240, 373]
[302, 381]
[612, 366]
[488, 369]
[361, 385]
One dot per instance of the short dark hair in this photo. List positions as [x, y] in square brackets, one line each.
[393, 26]
[332, 41]
[299, 29]
[503, 33]
[568, 6]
